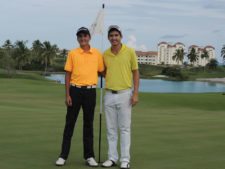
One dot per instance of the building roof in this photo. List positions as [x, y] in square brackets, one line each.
[179, 43]
[201, 49]
[193, 46]
[163, 43]
[171, 45]
[148, 53]
[209, 46]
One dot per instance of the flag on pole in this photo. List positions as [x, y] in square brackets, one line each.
[97, 26]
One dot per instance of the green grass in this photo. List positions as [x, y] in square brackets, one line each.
[147, 71]
[17, 74]
[192, 73]
[169, 131]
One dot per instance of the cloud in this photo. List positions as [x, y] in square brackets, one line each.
[215, 5]
[132, 42]
[142, 48]
[145, 9]
[217, 31]
[173, 36]
[129, 30]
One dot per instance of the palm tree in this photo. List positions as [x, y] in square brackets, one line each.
[192, 56]
[64, 53]
[49, 53]
[223, 52]
[37, 51]
[6, 60]
[7, 45]
[21, 54]
[179, 55]
[205, 55]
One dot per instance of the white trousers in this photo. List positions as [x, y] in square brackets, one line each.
[118, 116]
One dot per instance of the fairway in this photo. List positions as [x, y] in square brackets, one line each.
[169, 131]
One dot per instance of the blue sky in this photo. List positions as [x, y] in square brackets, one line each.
[144, 22]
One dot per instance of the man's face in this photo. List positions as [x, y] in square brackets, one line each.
[114, 38]
[83, 39]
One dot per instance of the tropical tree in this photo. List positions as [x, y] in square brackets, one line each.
[64, 53]
[7, 45]
[223, 52]
[179, 55]
[192, 56]
[185, 63]
[205, 55]
[213, 63]
[21, 54]
[37, 49]
[49, 53]
[6, 60]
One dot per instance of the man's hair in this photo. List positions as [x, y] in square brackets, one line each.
[114, 29]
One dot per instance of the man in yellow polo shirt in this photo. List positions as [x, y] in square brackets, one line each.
[82, 67]
[121, 76]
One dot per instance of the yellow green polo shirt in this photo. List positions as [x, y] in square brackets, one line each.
[119, 68]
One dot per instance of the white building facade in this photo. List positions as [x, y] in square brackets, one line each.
[166, 52]
[149, 58]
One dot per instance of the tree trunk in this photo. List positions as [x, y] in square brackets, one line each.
[46, 65]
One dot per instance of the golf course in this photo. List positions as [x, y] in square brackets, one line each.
[169, 131]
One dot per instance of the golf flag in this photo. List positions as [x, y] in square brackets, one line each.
[97, 26]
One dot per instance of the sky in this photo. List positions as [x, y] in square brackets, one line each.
[144, 23]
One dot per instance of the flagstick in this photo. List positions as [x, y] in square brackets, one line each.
[101, 102]
[100, 123]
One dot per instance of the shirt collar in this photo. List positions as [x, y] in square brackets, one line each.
[82, 51]
[122, 49]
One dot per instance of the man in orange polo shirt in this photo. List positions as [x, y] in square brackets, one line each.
[82, 67]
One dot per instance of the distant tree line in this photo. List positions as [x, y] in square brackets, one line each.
[42, 56]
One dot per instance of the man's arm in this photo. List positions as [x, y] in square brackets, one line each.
[134, 99]
[67, 87]
[103, 73]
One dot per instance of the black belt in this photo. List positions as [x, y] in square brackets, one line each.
[117, 91]
[114, 92]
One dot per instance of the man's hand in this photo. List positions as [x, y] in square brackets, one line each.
[68, 101]
[134, 99]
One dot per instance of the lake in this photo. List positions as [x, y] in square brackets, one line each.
[166, 86]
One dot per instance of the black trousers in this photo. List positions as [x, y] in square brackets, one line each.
[85, 98]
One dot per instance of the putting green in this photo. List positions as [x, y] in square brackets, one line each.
[169, 131]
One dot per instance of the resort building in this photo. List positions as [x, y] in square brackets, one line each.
[166, 52]
[150, 57]
[199, 50]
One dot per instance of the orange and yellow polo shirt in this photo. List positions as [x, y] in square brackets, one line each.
[84, 66]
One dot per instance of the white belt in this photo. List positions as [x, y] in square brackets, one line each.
[84, 87]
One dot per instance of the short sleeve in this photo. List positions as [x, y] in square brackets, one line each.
[100, 63]
[69, 63]
[134, 62]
